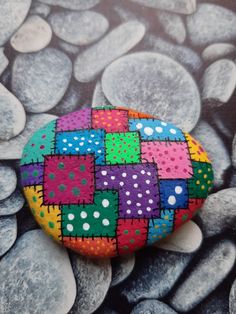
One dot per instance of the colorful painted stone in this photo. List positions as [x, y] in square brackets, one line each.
[108, 181]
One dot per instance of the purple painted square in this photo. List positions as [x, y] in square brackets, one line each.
[75, 121]
[32, 174]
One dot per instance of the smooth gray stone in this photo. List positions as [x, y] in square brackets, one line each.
[217, 51]
[232, 299]
[99, 98]
[182, 54]
[176, 6]
[155, 273]
[13, 148]
[208, 273]
[70, 101]
[40, 9]
[8, 233]
[215, 149]
[3, 61]
[68, 48]
[173, 25]
[122, 267]
[210, 24]
[73, 4]
[234, 151]
[79, 28]
[119, 41]
[8, 180]
[218, 212]
[216, 303]
[12, 14]
[12, 115]
[40, 79]
[12, 204]
[93, 278]
[33, 35]
[219, 81]
[152, 307]
[43, 269]
[145, 81]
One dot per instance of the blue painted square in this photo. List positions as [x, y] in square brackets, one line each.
[81, 143]
[151, 129]
[173, 194]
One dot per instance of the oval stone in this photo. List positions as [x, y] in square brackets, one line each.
[107, 181]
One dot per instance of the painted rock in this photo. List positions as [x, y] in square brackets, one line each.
[110, 180]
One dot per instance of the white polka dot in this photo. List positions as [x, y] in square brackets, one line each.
[124, 174]
[172, 131]
[127, 193]
[148, 181]
[104, 172]
[159, 129]
[96, 214]
[90, 141]
[139, 126]
[105, 222]
[134, 176]
[81, 143]
[65, 149]
[92, 135]
[86, 226]
[71, 216]
[82, 138]
[96, 143]
[149, 173]
[99, 151]
[69, 227]
[178, 189]
[138, 204]
[143, 171]
[75, 138]
[113, 177]
[171, 200]
[150, 201]
[121, 183]
[64, 140]
[140, 212]
[77, 149]
[147, 191]
[135, 185]
[140, 195]
[163, 123]
[105, 203]
[148, 131]
[128, 202]
[70, 145]
[148, 209]
[83, 214]
[128, 211]
[105, 183]
[88, 149]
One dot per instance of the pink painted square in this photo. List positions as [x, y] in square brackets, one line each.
[75, 121]
[110, 120]
[172, 159]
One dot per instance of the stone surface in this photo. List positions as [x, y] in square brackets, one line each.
[7, 181]
[12, 204]
[116, 43]
[179, 6]
[210, 24]
[152, 307]
[234, 151]
[99, 98]
[218, 213]
[70, 101]
[217, 302]
[173, 26]
[12, 14]
[12, 115]
[215, 148]
[207, 274]
[40, 79]
[3, 61]
[68, 48]
[40, 9]
[121, 268]
[8, 232]
[155, 273]
[13, 148]
[186, 239]
[91, 179]
[217, 51]
[140, 81]
[79, 28]
[232, 299]
[73, 4]
[34, 35]
[219, 81]
[93, 278]
[44, 269]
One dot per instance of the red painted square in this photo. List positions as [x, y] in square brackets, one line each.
[110, 120]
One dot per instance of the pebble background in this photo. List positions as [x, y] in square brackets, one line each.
[172, 58]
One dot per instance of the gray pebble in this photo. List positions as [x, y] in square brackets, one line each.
[12, 14]
[40, 79]
[12, 204]
[79, 28]
[234, 151]
[68, 48]
[145, 81]
[8, 233]
[99, 98]
[34, 35]
[8, 181]
[207, 274]
[40, 9]
[43, 270]
[219, 81]
[152, 307]
[13, 148]
[232, 299]
[12, 115]
[117, 42]
[217, 51]
[215, 148]
[216, 303]
[211, 23]
[173, 25]
[155, 273]
[3, 61]
[176, 6]
[122, 267]
[218, 212]
[73, 4]
[93, 278]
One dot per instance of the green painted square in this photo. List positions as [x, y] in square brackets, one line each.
[92, 220]
[122, 148]
[202, 181]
